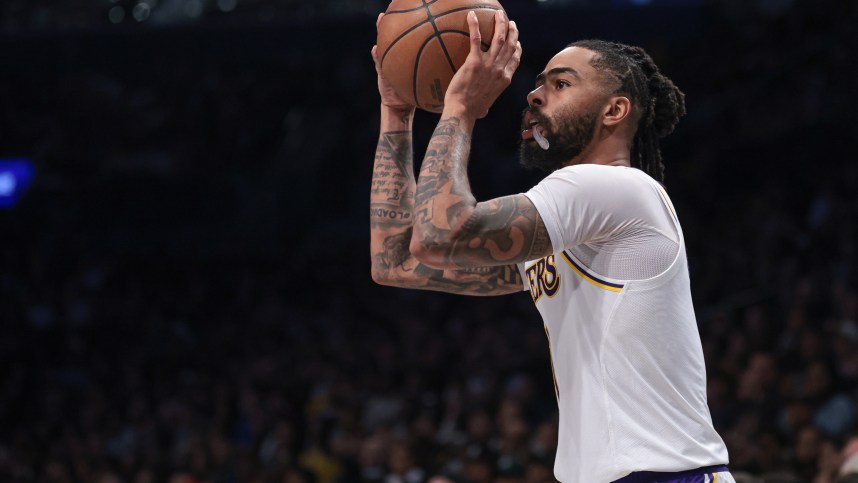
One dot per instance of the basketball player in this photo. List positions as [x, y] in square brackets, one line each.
[597, 244]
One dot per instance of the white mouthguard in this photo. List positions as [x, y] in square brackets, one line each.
[540, 139]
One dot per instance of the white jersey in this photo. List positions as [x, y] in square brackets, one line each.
[625, 350]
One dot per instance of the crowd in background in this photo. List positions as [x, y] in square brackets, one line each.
[185, 293]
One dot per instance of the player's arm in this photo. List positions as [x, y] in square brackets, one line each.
[391, 214]
[452, 230]
[391, 207]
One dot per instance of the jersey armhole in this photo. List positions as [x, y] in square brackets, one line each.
[525, 283]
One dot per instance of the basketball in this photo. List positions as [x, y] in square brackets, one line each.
[421, 44]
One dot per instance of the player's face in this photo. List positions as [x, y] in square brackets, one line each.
[560, 120]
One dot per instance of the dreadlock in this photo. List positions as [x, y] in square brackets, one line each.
[658, 102]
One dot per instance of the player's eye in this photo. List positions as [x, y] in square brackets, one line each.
[562, 83]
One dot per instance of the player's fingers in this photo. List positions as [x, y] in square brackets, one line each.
[374, 53]
[509, 48]
[512, 36]
[499, 39]
[378, 20]
[514, 62]
[474, 29]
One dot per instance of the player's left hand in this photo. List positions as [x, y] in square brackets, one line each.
[389, 97]
[484, 75]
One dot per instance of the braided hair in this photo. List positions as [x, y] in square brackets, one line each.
[658, 102]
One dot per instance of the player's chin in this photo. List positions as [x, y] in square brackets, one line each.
[533, 157]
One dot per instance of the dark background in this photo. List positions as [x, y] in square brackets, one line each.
[185, 290]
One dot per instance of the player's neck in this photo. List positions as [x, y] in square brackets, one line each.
[608, 154]
[609, 147]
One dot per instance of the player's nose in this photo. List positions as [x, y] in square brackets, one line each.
[534, 98]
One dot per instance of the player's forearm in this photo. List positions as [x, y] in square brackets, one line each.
[444, 201]
[392, 193]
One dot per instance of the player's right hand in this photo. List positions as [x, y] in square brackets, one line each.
[484, 75]
[389, 97]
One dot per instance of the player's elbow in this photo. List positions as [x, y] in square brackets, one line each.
[378, 276]
[385, 278]
[418, 250]
[382, 276]
[431, 254]
[389, 277]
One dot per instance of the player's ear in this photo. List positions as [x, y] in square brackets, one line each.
[617, 109]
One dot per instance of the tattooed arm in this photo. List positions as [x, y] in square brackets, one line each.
[391, 214]
[391, 207]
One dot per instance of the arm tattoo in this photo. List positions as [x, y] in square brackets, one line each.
[457, 230]
[505, 229]
[444, 169]
[402, 269]
[479, 281]
[395, 252]
[392, 192]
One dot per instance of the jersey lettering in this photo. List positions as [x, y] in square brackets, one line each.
[543, 278]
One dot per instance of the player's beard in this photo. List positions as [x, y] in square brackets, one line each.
[567, 140]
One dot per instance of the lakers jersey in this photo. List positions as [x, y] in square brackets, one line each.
[616, 303]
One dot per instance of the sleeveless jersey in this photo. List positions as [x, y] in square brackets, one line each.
[626, 353]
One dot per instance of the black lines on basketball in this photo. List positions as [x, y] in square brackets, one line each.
[430, 2]
[417, 66]
[438, 35]
[483, 44]
[473, 7]
[401, 36]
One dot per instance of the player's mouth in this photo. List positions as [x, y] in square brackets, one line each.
[528, 123]
[527, 132]
[533, 131]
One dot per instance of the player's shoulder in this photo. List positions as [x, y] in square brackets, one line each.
[605, 177]
[601, 170]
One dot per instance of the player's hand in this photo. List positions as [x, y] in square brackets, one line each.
[484, 75]
[389, 97]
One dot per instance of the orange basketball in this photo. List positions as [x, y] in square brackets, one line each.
[422, 43]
